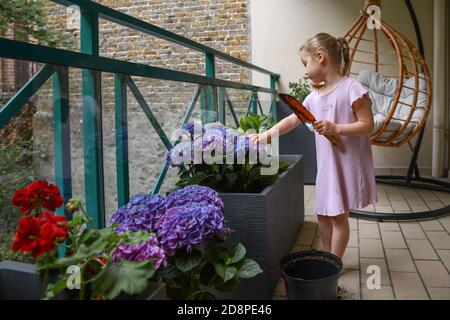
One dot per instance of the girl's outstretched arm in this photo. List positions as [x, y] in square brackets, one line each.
[283, 127]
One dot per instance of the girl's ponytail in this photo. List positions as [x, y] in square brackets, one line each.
[337, 48]
[344, 56]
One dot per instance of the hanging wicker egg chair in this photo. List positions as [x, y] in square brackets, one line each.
[396, 75]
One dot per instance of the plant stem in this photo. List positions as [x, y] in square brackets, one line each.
[45, 282]
[82, 288]
[209, 285]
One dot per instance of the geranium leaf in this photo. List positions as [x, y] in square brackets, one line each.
[54, 288]
[127, 276]
[87, 250]
[132, 238]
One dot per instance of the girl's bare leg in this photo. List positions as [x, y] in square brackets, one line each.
[340, 234]
[326, 229]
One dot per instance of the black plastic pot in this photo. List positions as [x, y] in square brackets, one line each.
[19, 281]
[311, 275]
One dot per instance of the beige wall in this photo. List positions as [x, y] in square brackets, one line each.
[278, 28]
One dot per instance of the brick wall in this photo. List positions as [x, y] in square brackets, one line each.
[7, 70]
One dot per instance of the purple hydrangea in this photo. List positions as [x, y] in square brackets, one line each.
[190, 127]
[141, 252]
[186, 226]
[209, 143]
[244, 147]
[213, 125]
[194, 194]
[215, 136]
[180, 152]
[140, 213]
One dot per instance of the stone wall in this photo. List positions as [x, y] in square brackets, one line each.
[220, 24]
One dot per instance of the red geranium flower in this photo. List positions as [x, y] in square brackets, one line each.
[38, 236]
[54, 228]
[27, 235]
[23, 199]
[51, 197]
[38, 193]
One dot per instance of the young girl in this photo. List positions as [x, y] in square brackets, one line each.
[345, 177]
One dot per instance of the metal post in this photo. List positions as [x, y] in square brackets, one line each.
[209, 105]
[123, 180]
[92, 123]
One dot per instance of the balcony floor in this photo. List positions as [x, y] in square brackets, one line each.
[414, 257]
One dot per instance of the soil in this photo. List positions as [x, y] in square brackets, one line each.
[344, 294]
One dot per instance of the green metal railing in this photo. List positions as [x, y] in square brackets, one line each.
[211, 92]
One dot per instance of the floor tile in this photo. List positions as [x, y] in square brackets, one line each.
[433, 274]
[445, 257]
[351, 259]
[369, 231]
[353, 240]
[371, 248]
[383, 208]
[389, 226]
[439, 293]
[353, 223]
[439, 239]
[400, 205]
[384, 293]
[408, 286]
[393, 240]
[412, 230]
[431, 225]
[400, 260]
[421, 249]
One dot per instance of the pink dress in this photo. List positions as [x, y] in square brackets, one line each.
[345, 177]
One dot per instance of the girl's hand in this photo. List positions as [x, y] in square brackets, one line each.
[325, 127]
[261, 138]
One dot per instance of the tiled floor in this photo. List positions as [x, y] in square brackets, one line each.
[414, 257]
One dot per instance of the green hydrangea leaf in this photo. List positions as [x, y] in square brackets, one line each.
[249, 269]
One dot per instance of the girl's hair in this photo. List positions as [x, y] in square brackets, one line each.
[337, 49]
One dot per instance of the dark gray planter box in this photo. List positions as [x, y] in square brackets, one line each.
[299, 141]
[19, 281]
[267, 224]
